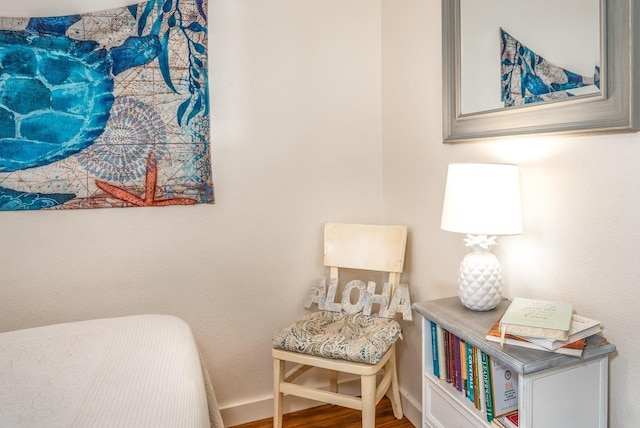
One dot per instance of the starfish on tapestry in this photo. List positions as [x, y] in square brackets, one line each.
[150, 189]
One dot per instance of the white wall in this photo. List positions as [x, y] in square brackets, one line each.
[296, 143]
[328, 110]
[581, 205]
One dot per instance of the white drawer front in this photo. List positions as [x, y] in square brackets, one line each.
[444, 411]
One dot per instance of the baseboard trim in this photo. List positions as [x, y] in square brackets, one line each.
[262, 409]
[411, 409]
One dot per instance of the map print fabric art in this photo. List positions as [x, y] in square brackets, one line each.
[106, 109]
[527, 78]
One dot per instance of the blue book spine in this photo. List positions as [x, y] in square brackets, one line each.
[434, 349]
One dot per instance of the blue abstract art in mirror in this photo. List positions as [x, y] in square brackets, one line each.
[527, 77]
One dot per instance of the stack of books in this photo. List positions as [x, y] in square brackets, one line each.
[544, 325]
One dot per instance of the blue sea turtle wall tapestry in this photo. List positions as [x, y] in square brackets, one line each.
[105, 109]
[526, 77]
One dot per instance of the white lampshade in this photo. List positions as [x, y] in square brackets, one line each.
[482, 199]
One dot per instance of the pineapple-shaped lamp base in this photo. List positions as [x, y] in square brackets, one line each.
[480, 277]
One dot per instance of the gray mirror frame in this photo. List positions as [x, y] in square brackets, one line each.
[615, 111]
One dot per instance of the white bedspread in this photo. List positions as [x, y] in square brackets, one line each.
[136, 371]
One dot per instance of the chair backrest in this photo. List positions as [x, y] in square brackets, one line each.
[365, 247]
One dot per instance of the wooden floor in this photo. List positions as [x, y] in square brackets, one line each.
[328, 416]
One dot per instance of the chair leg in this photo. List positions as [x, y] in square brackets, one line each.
[333, 381]
[278, 377]
[396, 403]
[368, 391]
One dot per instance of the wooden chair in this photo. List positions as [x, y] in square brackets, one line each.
[351, 246]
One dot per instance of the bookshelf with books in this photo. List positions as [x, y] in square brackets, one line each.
[548, 388]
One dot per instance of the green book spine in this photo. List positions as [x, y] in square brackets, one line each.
[488, 393]
[470, 370]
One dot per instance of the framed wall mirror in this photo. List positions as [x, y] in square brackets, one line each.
[517, 67]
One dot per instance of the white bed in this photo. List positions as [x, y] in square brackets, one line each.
[135, 371]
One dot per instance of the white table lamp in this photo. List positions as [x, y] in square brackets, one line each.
[481, 200]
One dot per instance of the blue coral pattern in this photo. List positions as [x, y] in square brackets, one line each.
[337, 335]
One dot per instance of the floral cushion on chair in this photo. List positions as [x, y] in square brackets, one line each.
[360, 338]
